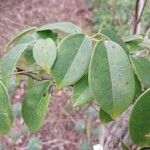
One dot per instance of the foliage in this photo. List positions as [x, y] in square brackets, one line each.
[100, 68]
[117, 14]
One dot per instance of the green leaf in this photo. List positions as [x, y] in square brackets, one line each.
[28, 55]
[19, 36]
[111, 78]
[6, 117]
[133, 42]
[138, 88]
[135, 37]
[73, 58]
[133, 46]
[62, 26]
[110, 34]
[35, 105]
[142, 69]
[81, 93]
[28, 39]
[104, 116]
[139, 121]
[44, 52]
[45, 34]
[10, 61]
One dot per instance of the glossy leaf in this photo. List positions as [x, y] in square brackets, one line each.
[72, 61]
[104, 116]
[62, 26]
[10, 61]
[44, 52]
[139, 122]
[110, 34]
[35, 105]
[142, 69]
[111, 78]
[81, 93]
[21, 35]
[6, 117]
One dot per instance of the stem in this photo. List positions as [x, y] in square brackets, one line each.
[32, 75]
[139, 8]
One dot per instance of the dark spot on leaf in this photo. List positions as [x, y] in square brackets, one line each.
[44, 94]
[113, 46]
[127, 83]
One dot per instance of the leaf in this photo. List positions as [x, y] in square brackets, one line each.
[104, 116]
[10, 61]
[28, 39]
[45, 34]
[20, 35]
[28, 55]
[6, 117]
[142, 69]
[35, 105]
[110, 34]
[81, 93]
[62, 26]
[135, 37]
[111, 78]
[139, 121]
[72, 61]
[138, 88]
[133, 42]
[133, 46]
[44, 52]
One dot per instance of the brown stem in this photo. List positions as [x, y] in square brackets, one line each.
[30, 74]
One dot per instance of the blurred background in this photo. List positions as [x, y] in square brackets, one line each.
[65, 128]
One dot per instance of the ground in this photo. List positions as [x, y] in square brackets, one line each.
[60, 130]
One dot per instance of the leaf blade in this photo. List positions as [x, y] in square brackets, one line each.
[35, 106]
[62, 26]
[109, 66]
[10, 61]
[81, 94]
[142, 69]
[104, 116]
[20, 35]
[139, 119]
[5, 110]
[44, 52]
[111, 35]
[72, 60]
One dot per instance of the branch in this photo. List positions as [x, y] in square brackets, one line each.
[139, 9]
[29, 74]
